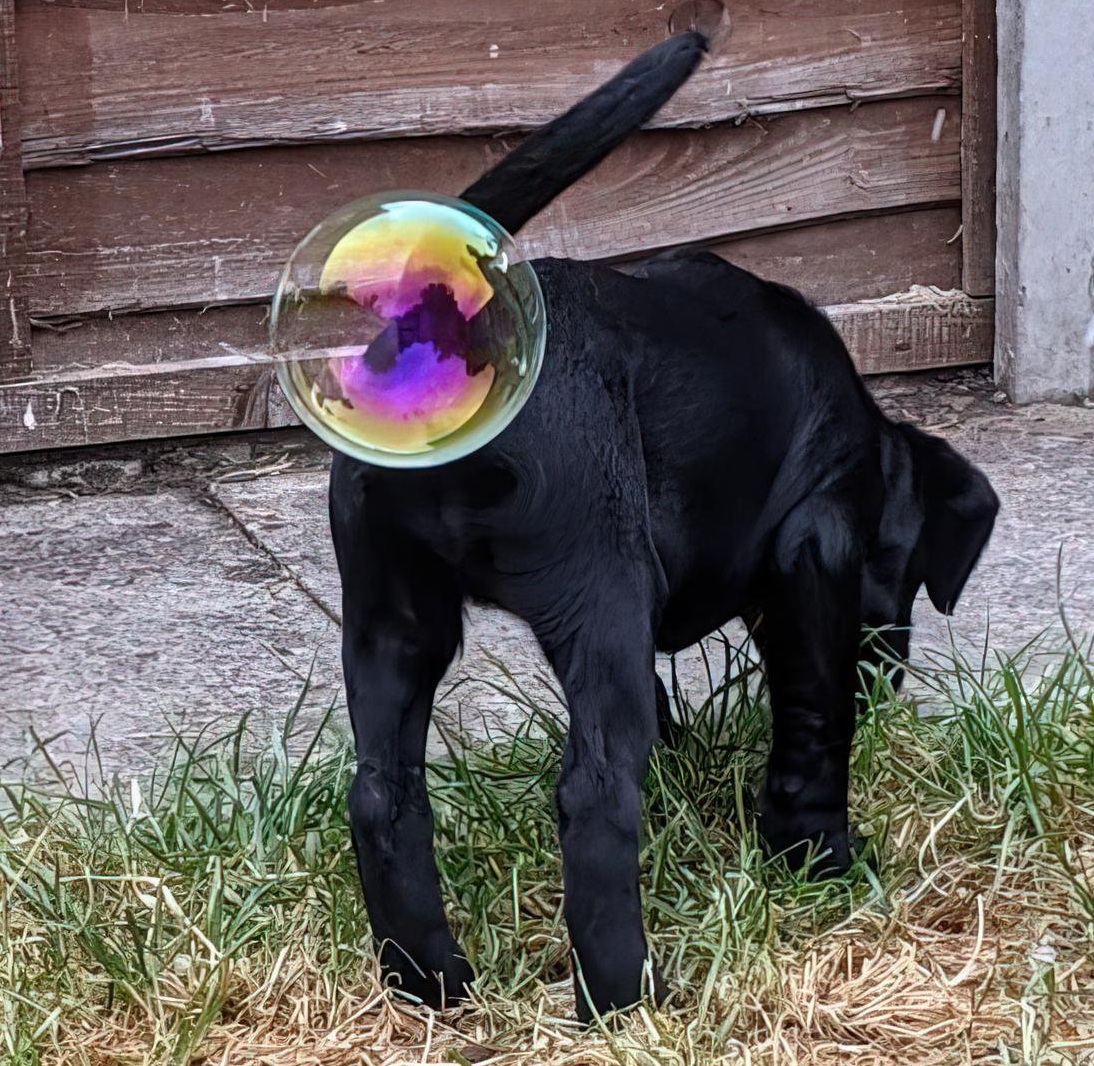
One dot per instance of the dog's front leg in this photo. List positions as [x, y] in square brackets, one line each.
[606, 671]
[401, 626]
[811, 637]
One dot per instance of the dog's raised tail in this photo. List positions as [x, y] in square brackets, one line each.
[556, 155]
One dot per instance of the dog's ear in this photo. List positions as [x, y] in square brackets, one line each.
[959, 509]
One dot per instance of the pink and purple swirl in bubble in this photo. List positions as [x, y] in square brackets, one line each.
[415, 271]
[406, 331]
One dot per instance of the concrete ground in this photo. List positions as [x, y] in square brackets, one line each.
[149, 589]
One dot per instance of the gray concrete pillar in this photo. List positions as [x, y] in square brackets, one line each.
[1045, 257]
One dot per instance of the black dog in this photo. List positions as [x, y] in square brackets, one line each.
[698, 447]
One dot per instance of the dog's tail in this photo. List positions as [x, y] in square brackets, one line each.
[556, 155]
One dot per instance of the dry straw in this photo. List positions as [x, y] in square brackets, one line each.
[210, 914]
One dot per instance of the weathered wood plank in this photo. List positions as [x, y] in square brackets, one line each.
[201, 231]
[830, 262]
[178, 403]
[978, 142]
[14, 328]
[183, 7]
[86, 347]
[856, 258]
[922, 330]
[113, 82]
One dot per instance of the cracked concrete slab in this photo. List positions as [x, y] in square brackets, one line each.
[156, 588]
[1043, 470]
[287, 515]
[1041, 462]
[141, 615]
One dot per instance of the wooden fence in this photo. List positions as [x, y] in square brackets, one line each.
[159, 159]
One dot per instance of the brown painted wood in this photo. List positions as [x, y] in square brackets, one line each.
[978, 143]
[254, 8]
[831, 262]
[121, 80]
[174, 403]
[99, 346]
[166, 399]
[14, 327]
[856, 258]
[212, 230]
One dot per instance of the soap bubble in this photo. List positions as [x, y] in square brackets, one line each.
[405, 332]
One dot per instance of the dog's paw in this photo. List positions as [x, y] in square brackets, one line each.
[619, 997]
[441, 981]
[820, 846]
[821, 855]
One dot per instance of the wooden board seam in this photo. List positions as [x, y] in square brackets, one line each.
[979, 118]
[187, 233]
[911, 331]
[920, 301]
[14, 327]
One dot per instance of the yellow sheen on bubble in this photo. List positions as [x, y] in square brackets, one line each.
[406, 332]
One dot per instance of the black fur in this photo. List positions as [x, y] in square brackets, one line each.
[698, 447]
[554, 157]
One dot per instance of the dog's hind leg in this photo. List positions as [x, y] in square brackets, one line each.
[811, 639]
[667, 728]
[604, 662]
[401, 628]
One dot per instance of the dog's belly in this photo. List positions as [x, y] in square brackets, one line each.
[696, 612]
[711, 543]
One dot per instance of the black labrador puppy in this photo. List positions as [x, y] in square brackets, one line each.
[699, 447]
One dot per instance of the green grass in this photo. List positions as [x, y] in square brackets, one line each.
[212, 912]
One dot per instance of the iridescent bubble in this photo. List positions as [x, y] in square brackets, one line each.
[406, 333]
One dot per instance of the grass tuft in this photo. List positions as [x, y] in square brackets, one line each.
[211, 914]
